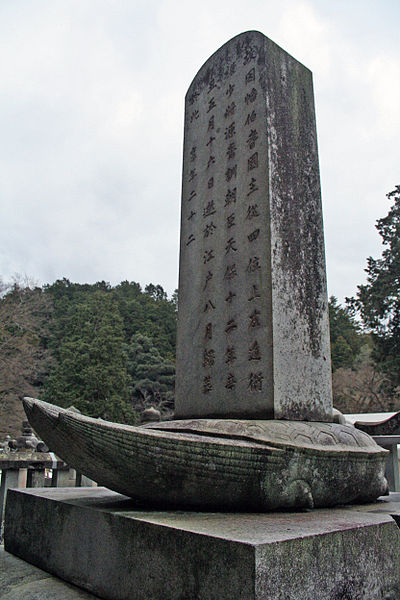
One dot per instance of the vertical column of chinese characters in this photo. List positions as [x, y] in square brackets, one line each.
[208, 230]
[252, 218]
[231, 246]
[192, 174]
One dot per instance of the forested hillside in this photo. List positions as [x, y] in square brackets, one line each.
[108, 351]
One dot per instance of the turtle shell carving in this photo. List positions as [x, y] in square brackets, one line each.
[218, 463]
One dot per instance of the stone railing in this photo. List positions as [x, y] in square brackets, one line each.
[33, 470]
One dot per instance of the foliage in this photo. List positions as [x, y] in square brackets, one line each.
[24, 356]
[363, 388]
[87, 356]
[152, 375]
[91, 369]
[346, 339]
[107, 350]
[378, 301]
[149, 313]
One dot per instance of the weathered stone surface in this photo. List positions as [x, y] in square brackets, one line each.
[104, 543]
[20, 580]
[255, 465]
[253, 336]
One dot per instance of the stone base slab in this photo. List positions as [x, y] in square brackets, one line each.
[104, 543]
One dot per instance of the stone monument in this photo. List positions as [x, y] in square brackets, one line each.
[253, 330]
[253, 428]
[253, 395]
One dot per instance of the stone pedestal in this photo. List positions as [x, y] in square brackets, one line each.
[101, 541]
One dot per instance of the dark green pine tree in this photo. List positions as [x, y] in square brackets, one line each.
[378, 301]
[153, 376]
[346, 339]
[149, 313]
[91, 370]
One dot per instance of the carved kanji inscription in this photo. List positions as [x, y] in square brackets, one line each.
[251, 76]
[230, 173]
[254, 318]
[230, 131]
[252, 186]
[230, 220]
[230, 383]
[230, 246]
[209, 276]
[230, 272]
[230, 355]
[208, 358]
[254, 264]
[252, 163]
[255, 381]
[253, 235]
[230, 196]
[230, 90]
[255, 293]
[207, 384]
[208, 255]
[251, 117]
[209, 229]
[208, 332]
[252, 211]
[231, 150]
[211, 161]
[230, 110]
[251, 96]
[211, 104]
[252, 138]
[209, 209]
[254, 351]
[230, 326]
[209, 306]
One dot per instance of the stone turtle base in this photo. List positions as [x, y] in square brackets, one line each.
[108, 545]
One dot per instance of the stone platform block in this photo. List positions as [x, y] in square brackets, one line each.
[103, 542]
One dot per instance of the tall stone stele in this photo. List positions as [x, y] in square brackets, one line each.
[253, 330]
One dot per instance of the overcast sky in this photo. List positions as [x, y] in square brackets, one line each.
[91, 121]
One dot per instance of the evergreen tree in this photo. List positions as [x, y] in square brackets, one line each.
[149, 313]
[378, 301]
[346, 339]
[91, 371]
[153, 376]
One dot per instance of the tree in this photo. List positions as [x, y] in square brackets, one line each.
[152, 375]
[346, 339]
[378, 301]
[91, 371]
[25, 313]
[149, 313]
[363, 388]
